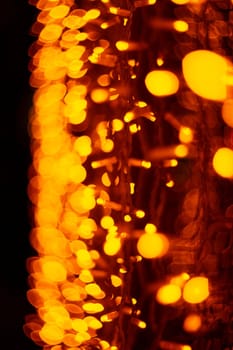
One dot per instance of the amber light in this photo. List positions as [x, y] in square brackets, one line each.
[114, 130]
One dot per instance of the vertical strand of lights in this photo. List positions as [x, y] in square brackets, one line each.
[117, 122]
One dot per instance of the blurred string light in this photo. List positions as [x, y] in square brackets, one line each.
[82, 188]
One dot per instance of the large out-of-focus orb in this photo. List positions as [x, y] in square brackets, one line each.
[161, 83]
[152, 245]
[227, 112]
[196, 290]
[223, 162]
[205, 73]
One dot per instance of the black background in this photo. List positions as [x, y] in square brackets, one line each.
[16, 19]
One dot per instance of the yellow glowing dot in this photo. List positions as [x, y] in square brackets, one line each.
[104, 80]
[196, 290]
[99, 95]
[185, 347]
[54, 270]
[146, 164]
[103, 343]
[92, 308]
[140, 214]
[168, 294]
[82, 337]
[107, 145]
[86, 276]
[227, 112]
[181, 151]
[51, 334]
[116, 281]
[106, 222]
[129, 116]
[223, 162]
[150, 228]
[133, 128]
[117, 124]
[170, 183]
[50, 33]
[185, 134]
[180, 279]
[106, 180]
[77, 173]
[58, 12]
[185, 276]
[84, 259]
[181, 26]
[93, 323]
[122, 45]
[93, 289]
[112, 246]
[79, 325]
[160, 61]
[127, 218]
[204, 72]
[161, 83]
[152, 245]
[192, 323]
[132, 187]
[141, 324]
[180, 2]
[82, 145]
[141, 104]
[92, 14]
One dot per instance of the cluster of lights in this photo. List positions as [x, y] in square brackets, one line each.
[80, 229]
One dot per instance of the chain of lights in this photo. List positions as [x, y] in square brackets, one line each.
[93, 235]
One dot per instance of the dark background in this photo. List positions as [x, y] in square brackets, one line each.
[16, 18]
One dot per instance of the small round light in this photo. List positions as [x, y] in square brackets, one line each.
[161, 83]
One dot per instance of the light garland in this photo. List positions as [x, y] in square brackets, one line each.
[90, 231]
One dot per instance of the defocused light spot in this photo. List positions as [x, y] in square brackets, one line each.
[161, 83]
[106, 180]
[116, 281]
[82, 145]
[227, 112]
[152, 245]
[180, 2]
[150, 228]
[58, 12]
[181, 151]
[168, 294]
[106, 222]
[51, 334]
[223, 162]
[192, 323]
[181, 26]
[204, 72]
[185, 134]
[99, 95]
[112, 246]
[50, 33]
[92, 308]
[79, 325]
[122, 45]
[196, 290]
[54, 270]
[92, 14]
[117, 124]
[107, 145]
